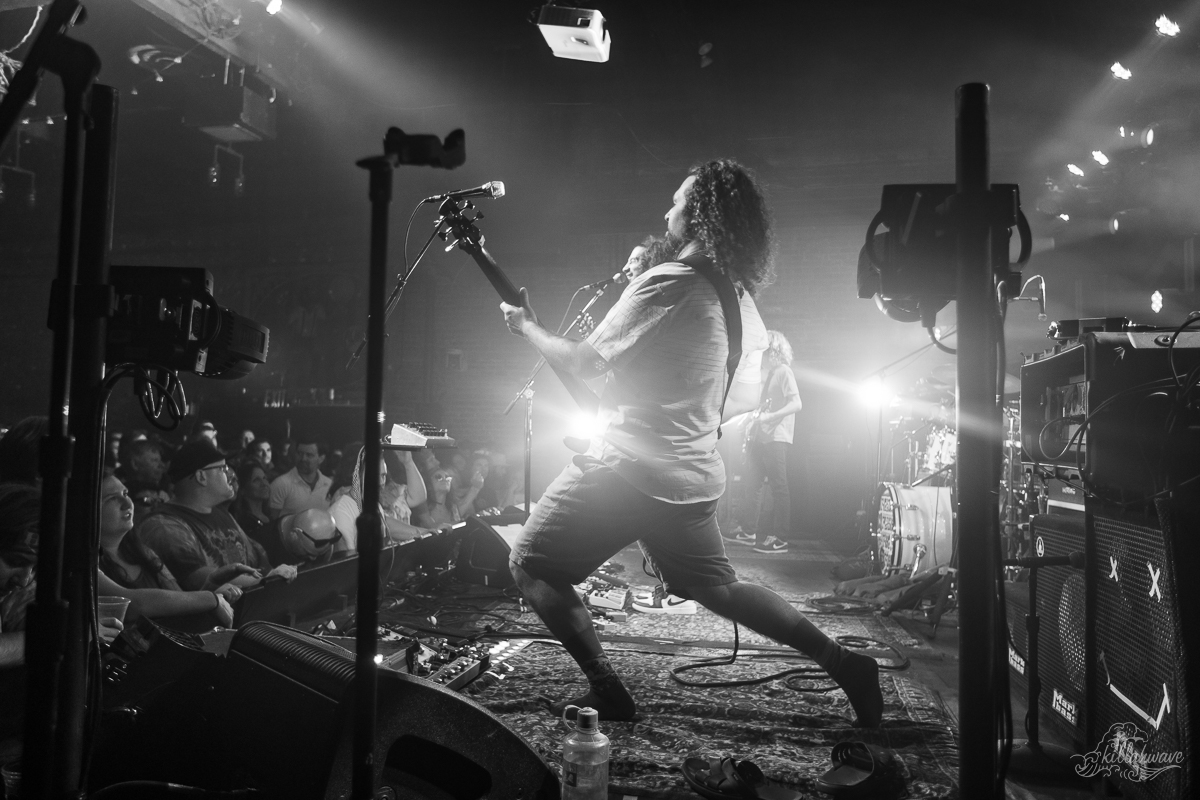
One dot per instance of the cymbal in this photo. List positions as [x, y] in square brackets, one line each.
[947, 373]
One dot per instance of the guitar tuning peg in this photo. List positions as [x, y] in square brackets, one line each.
[451, 246]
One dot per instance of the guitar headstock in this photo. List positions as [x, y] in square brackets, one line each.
[456, 228]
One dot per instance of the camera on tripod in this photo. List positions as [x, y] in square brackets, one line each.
[167, 317]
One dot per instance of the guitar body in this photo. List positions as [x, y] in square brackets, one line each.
[470, 240]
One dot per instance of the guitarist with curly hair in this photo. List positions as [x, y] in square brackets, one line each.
[681, 346]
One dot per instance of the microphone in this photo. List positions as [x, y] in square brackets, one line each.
[493, 190]
[1073, 560]
[619, 278]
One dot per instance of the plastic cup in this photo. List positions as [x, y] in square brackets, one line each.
[112, 606]
[11, 772]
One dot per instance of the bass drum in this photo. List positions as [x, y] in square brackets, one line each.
[914, 526]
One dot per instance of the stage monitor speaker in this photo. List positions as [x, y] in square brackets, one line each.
[1144, 633]
[483, 554]
[284, 717]
[1061, 603]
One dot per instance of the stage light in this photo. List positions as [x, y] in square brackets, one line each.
[583, 426]
[239, 185]
[274, 7]
[1166, 27]
[575, 33]
[1147, 137]
[1100, 158]
[873, 393]
[1120, 72]
[214, 174]
[1074, 170]
[1065, 217]
[378, 656]
[1, 191]
[1114, 224]
[1156, 302]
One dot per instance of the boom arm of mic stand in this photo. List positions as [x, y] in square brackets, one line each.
[542, 361]
[394, 297]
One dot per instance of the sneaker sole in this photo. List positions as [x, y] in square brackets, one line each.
[764, 550]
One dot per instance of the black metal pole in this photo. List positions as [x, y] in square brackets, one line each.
[370, 535]
[81, 545]
[978, 438]
[47, 628]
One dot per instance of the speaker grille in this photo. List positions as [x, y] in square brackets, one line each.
[1140, 652]
[319, 665]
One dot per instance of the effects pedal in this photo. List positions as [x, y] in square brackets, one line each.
[612, 598]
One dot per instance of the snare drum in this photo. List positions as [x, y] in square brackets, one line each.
[914, 527]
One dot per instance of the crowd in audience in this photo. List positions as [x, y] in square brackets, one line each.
[186, 528]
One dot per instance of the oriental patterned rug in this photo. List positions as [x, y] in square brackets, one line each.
[788, 733]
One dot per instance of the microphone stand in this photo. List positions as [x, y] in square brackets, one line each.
[394, 297]
[526, 393]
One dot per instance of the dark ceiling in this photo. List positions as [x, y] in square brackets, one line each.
[827, 101]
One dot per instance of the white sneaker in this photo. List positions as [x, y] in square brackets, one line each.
[661, 603]
[771, 545]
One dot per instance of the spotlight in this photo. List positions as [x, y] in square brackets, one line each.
[1119, 72]
[1074, 170]
[239, 185]
[1065, 217]
[873, 393]
[1156, 301]
[214, 174]
[1166, 27]
[575, 33]
[1101, 159]
[583, 426]
[274, 6]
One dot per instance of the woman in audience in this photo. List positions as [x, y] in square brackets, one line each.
[130, 569]
[440, 512]
[397, 517]
[343, 476]
[249, 508]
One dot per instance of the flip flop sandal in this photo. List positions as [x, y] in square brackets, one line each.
[862, 770]
[727, 779]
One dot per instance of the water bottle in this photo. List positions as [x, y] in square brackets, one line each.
[584, 757]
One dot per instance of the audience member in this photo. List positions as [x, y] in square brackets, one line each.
[397, 518]
[19, 449]
[309, 536]
[194, 536]
[465, 493]
[208, 431]
[304, 487]
[142, 471]
[439, 511]
[260, 452]
[498, 491]
[249, 508]
[139, 572]
[246, 440]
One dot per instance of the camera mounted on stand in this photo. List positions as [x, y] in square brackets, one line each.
[910, 270]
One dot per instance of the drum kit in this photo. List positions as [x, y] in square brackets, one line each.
[913, 513]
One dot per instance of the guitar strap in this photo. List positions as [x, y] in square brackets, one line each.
[733, 315]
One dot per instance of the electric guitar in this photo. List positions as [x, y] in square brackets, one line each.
[460, 231]
[753, 425]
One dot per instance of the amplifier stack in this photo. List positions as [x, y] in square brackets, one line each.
[1108, 433]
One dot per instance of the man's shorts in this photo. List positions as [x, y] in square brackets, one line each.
[589, 513]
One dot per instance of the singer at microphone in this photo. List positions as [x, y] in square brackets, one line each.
[619, 278]
[492, 190]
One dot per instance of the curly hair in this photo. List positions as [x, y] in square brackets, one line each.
[727, 214]
[780, 347]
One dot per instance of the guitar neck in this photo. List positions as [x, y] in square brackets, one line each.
[583, 396]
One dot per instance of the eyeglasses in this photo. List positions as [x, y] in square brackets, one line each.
[443, 477]
[319, 542]
[228, 469]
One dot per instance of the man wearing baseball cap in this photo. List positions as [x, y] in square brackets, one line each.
[198, 540]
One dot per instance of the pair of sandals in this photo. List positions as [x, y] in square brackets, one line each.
[859, 770]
